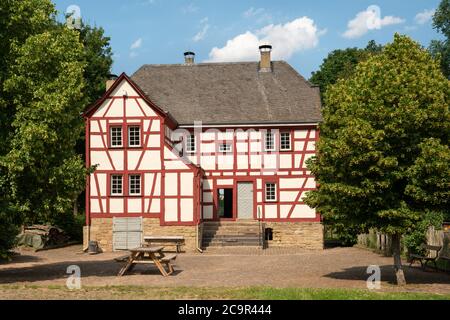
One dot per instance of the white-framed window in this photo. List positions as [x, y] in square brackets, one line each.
[190, 143]
[116, 185]
[285, 141]
[225, 147]
[269, 141]
[134, 136]
[134, 184]
[115, 134]
[271, 191]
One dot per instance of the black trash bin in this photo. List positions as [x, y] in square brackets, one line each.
[93, 247]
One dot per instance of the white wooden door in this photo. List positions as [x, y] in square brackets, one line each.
[127, 233]
[245, 200]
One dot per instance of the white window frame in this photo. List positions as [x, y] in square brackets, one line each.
[266, 195]
[225, 150]
[111, 140]
[272, 134]
[191, 146]
[281, 141]
[112, 184]
[129, 135]
[130, 176]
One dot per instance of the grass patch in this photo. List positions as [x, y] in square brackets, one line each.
[251, 293]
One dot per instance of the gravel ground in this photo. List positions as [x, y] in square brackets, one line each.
[331, 268]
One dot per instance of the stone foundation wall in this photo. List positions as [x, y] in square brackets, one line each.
[308, 235]
[152, 227]
[101, 230]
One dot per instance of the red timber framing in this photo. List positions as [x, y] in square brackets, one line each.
[153, 180]
[297, 170]
[151, 126]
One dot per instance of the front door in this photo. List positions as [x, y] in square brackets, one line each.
[245, 200]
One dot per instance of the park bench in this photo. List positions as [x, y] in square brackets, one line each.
[432, 254]
[177, 241]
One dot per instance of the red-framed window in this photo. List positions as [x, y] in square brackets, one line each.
[134, 136]
[270, 192]
[285, 141]
[116, 185]
[134, 185]
[116, 136]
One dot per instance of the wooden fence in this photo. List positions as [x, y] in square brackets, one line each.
[381, 243]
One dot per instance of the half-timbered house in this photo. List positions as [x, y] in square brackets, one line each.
[213, 152]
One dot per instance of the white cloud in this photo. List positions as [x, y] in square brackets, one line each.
[137, 44]
[424, 16]
[367, 20]
[286, 39]
[202, 33]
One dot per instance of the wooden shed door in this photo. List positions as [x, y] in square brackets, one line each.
[127, 233]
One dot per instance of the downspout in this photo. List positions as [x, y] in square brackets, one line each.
[199, 209]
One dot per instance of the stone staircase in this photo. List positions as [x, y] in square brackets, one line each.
[232, 233]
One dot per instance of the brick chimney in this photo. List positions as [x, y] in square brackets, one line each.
[189, 58]
[265, 65]
[111, 79]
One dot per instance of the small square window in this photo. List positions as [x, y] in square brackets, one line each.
[225, 147]
[190, 143]
[271, 191]
[116, 185]
[134, 136]
[135, 184]
[285, 141]
[116, 136]
[270, 141]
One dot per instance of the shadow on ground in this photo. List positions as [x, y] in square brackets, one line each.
[58, 271]
[413, 275]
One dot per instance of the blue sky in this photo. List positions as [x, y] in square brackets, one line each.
[302, 32]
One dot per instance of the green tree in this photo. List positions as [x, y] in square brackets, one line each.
[441, 48]
[377, 126]
[48, 74]
[341, 64]
[46, 173]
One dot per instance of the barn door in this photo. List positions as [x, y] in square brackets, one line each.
[245, 200]
[127, 233]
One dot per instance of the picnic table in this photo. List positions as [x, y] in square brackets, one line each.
[166, 240]
[149, 255]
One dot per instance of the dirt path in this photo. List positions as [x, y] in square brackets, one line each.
[332, 268]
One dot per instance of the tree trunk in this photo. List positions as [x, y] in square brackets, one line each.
[398, 260]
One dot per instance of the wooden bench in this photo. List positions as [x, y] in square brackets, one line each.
[428, 257]
[167, 259]
[178, 241]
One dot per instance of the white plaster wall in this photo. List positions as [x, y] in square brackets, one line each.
[116, 205]
[135, 205]
[187, 210]
[187, 184]
[171, 210]
[171, 184]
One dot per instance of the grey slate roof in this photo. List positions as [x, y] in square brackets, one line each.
[230, 93]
